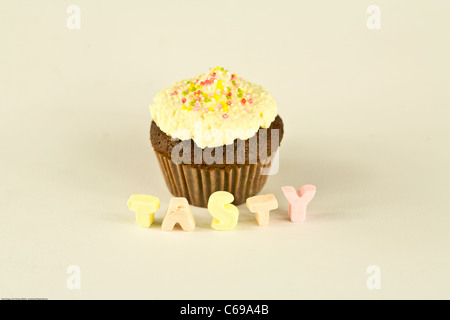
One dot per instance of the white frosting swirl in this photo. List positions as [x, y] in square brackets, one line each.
[213, 109]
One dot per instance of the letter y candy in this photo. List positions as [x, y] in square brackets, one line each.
[298, 200]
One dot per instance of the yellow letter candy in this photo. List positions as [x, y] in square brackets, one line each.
[224, 213]
[178, 212]
[145, 207]
[261, 206]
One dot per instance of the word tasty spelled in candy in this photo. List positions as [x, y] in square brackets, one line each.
[225, 214]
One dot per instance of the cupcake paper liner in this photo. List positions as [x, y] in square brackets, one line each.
[197, 184]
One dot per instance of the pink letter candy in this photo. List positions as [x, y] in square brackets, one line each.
[178, 212]
[298, 200]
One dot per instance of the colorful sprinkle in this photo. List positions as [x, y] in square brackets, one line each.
[214, 91]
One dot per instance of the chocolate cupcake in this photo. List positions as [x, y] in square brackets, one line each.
[217, 132]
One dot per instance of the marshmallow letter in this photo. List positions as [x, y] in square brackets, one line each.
[178, 212]
[298, 200]
[224, 213]
[261, 205]
[145, 207]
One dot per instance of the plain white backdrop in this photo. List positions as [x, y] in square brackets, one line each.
[366, 121]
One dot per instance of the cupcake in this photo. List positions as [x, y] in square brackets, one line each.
[215, 132]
